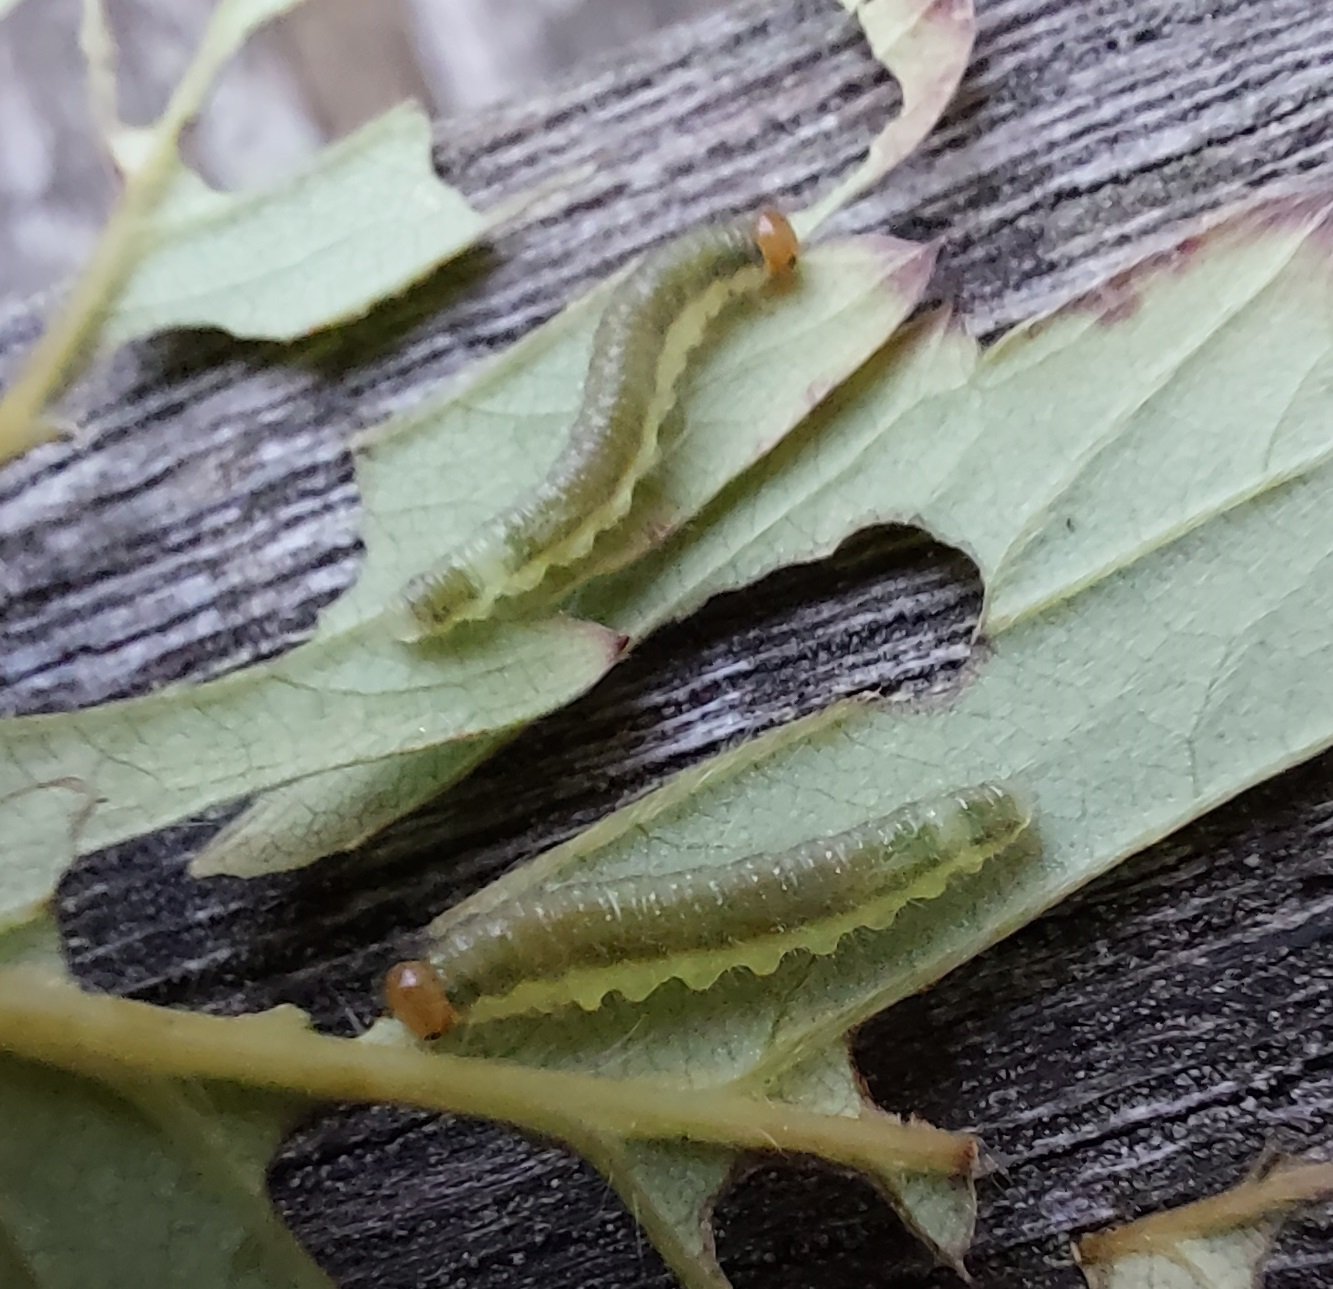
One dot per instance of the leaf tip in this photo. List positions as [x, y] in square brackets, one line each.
[957, 14]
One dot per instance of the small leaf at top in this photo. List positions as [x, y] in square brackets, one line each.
[362, 221]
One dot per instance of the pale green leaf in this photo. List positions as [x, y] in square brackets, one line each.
[144, 1183]
[765, 364]
[1176, 650]
[365, 219]
[113, 1179]
[752, 384]
[214, 1093]
[925, 44]
[73, 782]
[1222, 1242]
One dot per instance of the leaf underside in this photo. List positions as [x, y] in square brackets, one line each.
[1154, 630]
[755, 382]
[925, 44]
[112, 1178]
[1144, 482]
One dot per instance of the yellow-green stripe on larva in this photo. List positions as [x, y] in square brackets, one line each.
[651, 323]
[575, 944]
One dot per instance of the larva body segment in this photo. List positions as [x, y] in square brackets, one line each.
[651, 323]
[578, 943]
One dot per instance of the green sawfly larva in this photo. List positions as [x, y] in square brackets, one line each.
[652, 322]
[575, 944]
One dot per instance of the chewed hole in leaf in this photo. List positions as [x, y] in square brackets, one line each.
[482, 1191]
[894, 613]
[893, 609]
[783, 1216]
[905, 610]
[353, 1184]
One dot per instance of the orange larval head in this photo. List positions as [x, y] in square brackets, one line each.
[777, 241]
[415, 994]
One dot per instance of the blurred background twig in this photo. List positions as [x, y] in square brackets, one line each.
[318, 73]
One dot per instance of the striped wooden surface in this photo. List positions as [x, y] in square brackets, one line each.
[1134, 1048]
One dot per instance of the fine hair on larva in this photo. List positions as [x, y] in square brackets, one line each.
[655, 317]
[575, 944]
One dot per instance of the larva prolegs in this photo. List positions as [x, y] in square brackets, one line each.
[574, 945]
[653, 321]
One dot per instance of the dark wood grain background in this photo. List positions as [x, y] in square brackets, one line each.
[1135, 1048]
